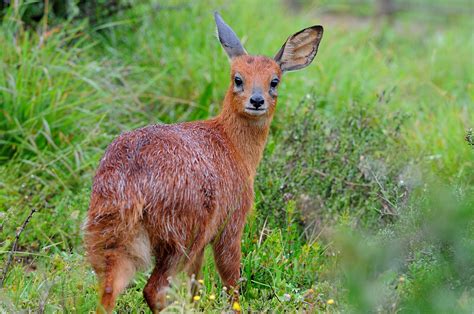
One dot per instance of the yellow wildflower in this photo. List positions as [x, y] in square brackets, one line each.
[236, 306]
[330, 301]
[196, 298]
[201, 281]
[212, 297]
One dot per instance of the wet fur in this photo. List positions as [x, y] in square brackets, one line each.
[163, 192]
[169, 190]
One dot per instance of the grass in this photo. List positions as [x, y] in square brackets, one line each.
[364, 195]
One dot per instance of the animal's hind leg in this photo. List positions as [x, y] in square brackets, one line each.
[157, 285]
[118, 272]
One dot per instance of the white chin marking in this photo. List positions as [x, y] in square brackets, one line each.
[255, 113]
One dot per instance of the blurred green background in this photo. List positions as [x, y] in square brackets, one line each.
[364, 198]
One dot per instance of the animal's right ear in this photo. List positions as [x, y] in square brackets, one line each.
[229, 40]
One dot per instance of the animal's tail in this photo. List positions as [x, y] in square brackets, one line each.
[116, 245]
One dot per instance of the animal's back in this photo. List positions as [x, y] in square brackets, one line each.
[174, 183]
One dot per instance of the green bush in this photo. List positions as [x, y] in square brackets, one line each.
[31, 13]
[335, 168]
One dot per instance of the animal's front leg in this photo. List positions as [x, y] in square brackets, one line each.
[227, 253]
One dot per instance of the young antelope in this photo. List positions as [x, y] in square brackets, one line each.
[163, 192]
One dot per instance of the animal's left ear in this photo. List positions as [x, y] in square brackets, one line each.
[299, 49]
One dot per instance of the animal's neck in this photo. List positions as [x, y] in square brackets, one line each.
[247, 135]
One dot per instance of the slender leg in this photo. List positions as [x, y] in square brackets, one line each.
[227, 253]
[155, 290]
[194, 272]
[157, 286]
[227, 257]
[118, 273]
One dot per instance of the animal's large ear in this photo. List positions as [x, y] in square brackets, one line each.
[228, 38]
[299, 49]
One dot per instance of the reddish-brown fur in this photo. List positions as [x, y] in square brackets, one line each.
[169, 190]
[166, 191]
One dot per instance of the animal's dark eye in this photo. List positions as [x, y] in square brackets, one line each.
[274, 83]
[238, 81]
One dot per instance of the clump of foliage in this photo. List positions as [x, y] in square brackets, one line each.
[422, 262]
[46, 94]
[58, 11]
[334, 168]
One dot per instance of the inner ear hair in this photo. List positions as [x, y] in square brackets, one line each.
[299, 49]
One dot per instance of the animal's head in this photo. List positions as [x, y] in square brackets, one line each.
[255, 79]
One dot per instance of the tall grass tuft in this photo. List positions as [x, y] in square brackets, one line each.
[48, 93]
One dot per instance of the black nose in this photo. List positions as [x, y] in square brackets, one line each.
[257, 101]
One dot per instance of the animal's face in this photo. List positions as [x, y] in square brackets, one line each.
[255, 79]
[254, 84]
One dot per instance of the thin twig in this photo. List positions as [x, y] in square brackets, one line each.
[262, 232]
[382, 195]
[14, 246]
